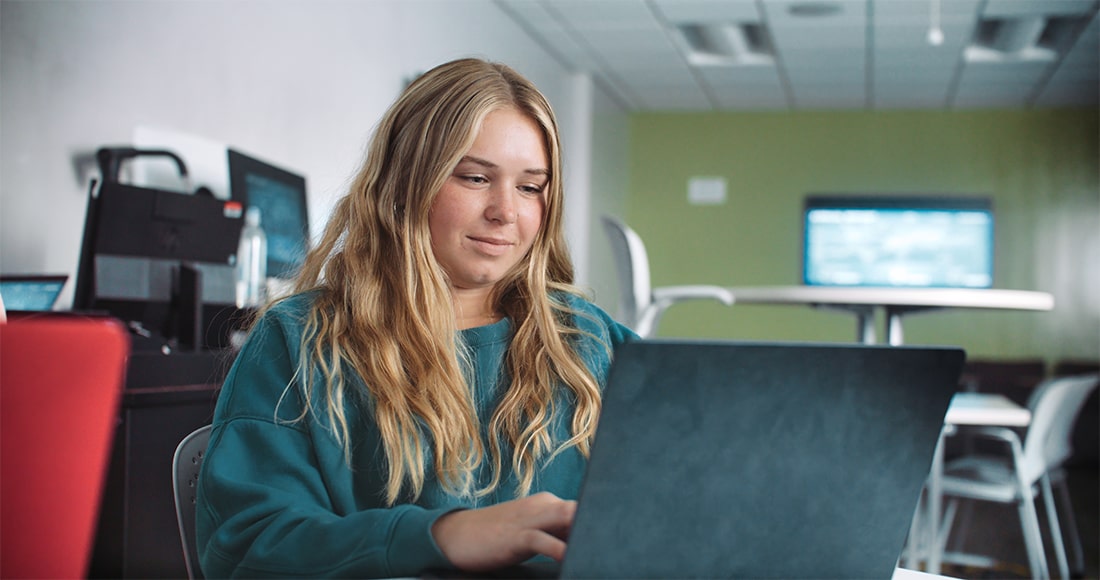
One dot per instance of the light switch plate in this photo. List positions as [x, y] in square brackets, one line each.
[707, 190]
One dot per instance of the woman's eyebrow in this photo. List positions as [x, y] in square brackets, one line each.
[478, 161]
[490, 165]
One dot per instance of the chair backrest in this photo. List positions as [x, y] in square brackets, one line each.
[185, 478]
[1054, 407]
[62, 380]
[632, 267]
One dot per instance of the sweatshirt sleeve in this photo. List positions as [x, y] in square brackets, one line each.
[273, 497]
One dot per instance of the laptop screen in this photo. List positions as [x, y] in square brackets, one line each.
[32, 293]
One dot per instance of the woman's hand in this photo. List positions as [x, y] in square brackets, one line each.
[507, 533]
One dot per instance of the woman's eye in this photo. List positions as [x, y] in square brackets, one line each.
[476, 179]
[532, 189]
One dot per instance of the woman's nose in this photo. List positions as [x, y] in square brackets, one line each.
[502, 205]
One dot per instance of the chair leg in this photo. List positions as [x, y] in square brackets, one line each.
[1055, 526]
[1033, 539]
[911, 555]
[1078, 568]
[962, 529]
[947, 522]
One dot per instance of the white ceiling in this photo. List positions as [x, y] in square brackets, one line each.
[859, 55]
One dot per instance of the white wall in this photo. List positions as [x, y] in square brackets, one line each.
[610, 183]
[295, 82]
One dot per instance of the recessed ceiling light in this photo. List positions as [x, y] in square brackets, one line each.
[814, 9]
[1023, 39]
[725, 44]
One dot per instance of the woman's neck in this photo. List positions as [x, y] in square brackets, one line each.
[476, 321]
[473, 308]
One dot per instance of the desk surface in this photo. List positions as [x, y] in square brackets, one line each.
[986, 409]
[904, 297]
[545, 570]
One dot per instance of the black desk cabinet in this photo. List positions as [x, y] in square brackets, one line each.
[166, 397]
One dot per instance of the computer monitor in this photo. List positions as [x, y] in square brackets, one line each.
[911, 241]
[281, 196]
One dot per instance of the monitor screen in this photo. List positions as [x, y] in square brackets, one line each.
[33, 293]
[898, 241]
[281, 197]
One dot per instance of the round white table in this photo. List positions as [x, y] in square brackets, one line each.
[896, 302]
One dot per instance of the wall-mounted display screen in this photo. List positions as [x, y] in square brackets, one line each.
[898, 241]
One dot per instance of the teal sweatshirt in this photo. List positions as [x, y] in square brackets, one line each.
[276, 497]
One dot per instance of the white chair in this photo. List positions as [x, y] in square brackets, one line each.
[1029, 470]
[640, 306]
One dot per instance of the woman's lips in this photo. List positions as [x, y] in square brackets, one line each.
[490, 245]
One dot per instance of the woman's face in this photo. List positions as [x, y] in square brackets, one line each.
[488, 212]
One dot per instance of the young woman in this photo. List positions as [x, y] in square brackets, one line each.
[427, 397]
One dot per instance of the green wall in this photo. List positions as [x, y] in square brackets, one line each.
[1040, 167]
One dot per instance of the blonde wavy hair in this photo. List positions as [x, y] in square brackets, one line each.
[384, 307]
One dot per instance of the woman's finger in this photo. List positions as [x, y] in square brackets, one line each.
[547, 544]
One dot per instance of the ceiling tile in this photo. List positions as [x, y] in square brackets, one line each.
[920, 92]
[708, 11]
[922, 9]
[626, 63]
[1016, 8]
[809, 89]
[824, 68]
[1073, 73]
[831, 56]
[754, 94]
[532, 13]
[1015, 73]
[990, 100]
[674, 99]
[868, 54]
[745, 77]
[916, 58]
[825, 102]
[1069, 95]
[785, 13]
[601, 14]
[657, 76]
[564, 44]
[637, 42]
[914, 35]
[908, 103]
[750, 102]
[912, 78]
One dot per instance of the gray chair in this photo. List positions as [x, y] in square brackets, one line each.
[1029, 469]
[185, 478]
[640, 305]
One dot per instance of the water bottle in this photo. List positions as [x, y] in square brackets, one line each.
[251, 262]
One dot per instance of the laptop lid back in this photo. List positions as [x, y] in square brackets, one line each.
[724, 459]
[63, 378]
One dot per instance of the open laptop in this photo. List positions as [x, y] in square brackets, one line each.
[31, 292]
[757, 460]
